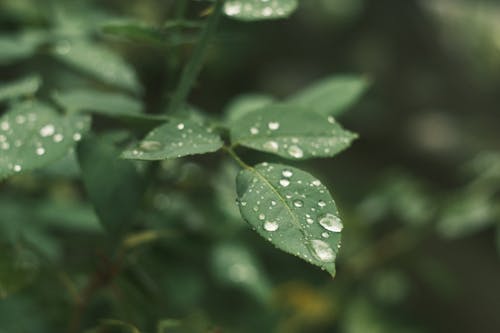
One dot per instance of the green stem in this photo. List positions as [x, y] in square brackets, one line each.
[195, 63]
[233, 154]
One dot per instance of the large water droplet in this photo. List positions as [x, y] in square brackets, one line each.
[322, 250]
[284, 182]
[273, 125]
[271, 225]
[271, 145]
[287, 173]
[180, 126]
[295, 151]
[331, 222]
[150, 145]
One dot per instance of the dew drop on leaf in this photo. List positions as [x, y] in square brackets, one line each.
[331, 222]
[284, 182]
[295, 151]
[287, 173]
[322, 250]
[273, 125]
[298, 203]
[271, 225]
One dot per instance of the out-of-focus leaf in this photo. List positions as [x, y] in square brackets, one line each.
[114, 326]
[225, 191]
[235, 265]
[68, 215]
[18, 47]
[97, 61]
[113, 185]
[244, 104]
[33, 135]
[97, 102]
[292, 210]
[469, 212]
[291, 132]
[22, 87]
[332, 95]
[174, 139]
[18, 267]
[254, 10]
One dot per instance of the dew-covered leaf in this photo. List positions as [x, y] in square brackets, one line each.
[254, 10]
[98, 102]
[33, 135]
[113, 185]
[291, 132]
[22, 87]
[18, 267]
[18, 47]
[99, 62]
[244, 104]
[333, 95]
[235, 265]
[292, 210]
[174, 139]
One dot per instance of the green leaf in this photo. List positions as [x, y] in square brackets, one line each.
[99, 62]
[333, 95]
[254, 10]
[113, 185]
[18, 267]
[98, 102]
[33, 135]
[293, 210]
[18, 47]
[244, 104]
[291, 132]
[22, 87]
[174, 139]
[235, 265]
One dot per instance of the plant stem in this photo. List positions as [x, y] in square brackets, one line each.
[195, 63]
[232, 153]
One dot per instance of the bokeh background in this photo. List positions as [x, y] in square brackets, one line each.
[419, 190]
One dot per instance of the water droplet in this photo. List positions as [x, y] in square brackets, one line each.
[316, 182]
[58, 137]
[254, 130]
[180, 126]
[331, 120]
[267, 11]
[322, 250]
[321, 203]
[47, 130]
[262, 217]
[271, 145]
[295, 151]
[331, 222]
[284, 182]
[273, 125]
[5, 125]
[273, 203]
[77, 136]
[325, 235]
[40, 151]
[232, 8]
[271, 225]
[298, 203]
[309, 220]
[150, 145]
[17, 168]
[20, 119]
[287, 173]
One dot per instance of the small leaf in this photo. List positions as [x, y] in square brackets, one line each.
[98, 102]
[99, 62]
[18, 267]
[291, 132]
[18, 47]
[113, 185]
[292, 210]
[22, 87]
[244, 104]
[175, 139]
[33, 135]
[235, 265]
[254, 10]
[333, 95]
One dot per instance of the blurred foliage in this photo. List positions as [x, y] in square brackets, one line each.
[419, 191]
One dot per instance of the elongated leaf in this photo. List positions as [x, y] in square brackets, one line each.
[18, 47]
[333, 95]
[244, 104]
[291, 132]
[292, 210]
[175, 139]
[21, 87]
[113, 185]
[32, 135]
[98, 62]
[254, 10]
[18, 267]
[98, 102]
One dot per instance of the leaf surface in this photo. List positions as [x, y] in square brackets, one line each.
[255, 10]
